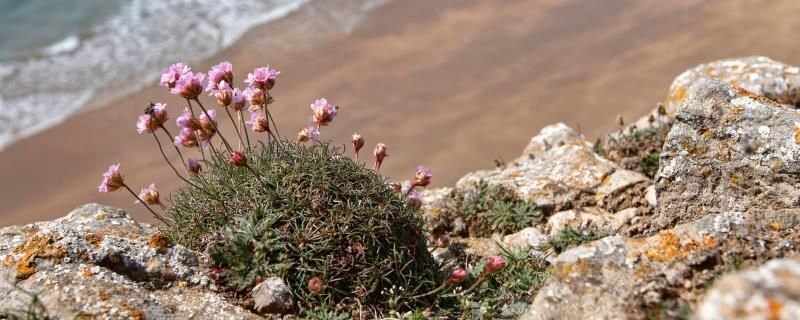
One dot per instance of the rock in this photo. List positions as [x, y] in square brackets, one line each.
[438, 205]
[759, 75]
[97, 261]
[272, 296]
[650, 195]
[619, 180]
[526, 238]
[554, 135]
[771, 291]
[553, 179]
[618, 277]
[729, 150]
[578, 219]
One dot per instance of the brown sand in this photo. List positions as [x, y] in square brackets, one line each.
[452, 84]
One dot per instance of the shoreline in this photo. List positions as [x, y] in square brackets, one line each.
[451, 85]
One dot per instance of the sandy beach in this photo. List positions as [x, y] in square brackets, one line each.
[451, 84]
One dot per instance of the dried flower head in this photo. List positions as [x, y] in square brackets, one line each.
[380, 154]
[255, 96]
[189, 86]
[238, 100]
[171, 75]
[224, 94]
[310, 132]
[458, 275]
[257, 122]
[238, 159]
[194, 166]
[207, 122]
[112, 179]
[414, 199]
[316, 285]
[262, 78]
[187, 120]
[494, 264]
[422, 177]
[149, 195]
[222, 72]
[187, 139]
[324, 112]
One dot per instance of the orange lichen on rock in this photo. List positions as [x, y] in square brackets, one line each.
[38, 246]
[774, 308]
[744, 92]
[678, 94]
[797, 135]
[87, 272]
[158, 241]
[670, 247]
[776, 225]
[8, 261]
[94, 238]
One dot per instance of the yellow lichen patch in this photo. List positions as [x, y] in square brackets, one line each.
[158, 241]
[38, 246]
[94, 238]
[777, 165]
[774, 308]
[735, 178]
[138, 315]
[797, 135]
[744, 92]
[678, 94]
[708, 134]
[569, 269]
[776, 225]
[694, 150]
[670, 247]
[87, 272]
[8, 261]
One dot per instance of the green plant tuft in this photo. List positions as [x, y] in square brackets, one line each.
[314, 213]
[569, 237]
[496, 210]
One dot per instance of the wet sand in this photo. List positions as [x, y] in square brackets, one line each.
[451, 84]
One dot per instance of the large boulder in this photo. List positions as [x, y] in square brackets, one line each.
[729, 150]
[100, 263]
[617, 277]
[771, 291]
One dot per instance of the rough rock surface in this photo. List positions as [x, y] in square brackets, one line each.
[272, 296]
[771, 291]
[98, 262]
[729, 150]
[616, 276]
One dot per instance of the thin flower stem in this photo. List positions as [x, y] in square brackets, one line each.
[214, 124]
[156, 215]
[183, 161]
[244, 128]
[235, 126]
[161, 148]
[196, 135]
[440, 288]
[410, 188]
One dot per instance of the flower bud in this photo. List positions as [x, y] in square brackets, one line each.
[358, 142]
[238, 159]
[257, 122]
[189, 86]
[494, 264]
[316, 285]
[308, 133]
[224, 95]
[458, 275]
[414, 199]
[379, 153]
[255, 96]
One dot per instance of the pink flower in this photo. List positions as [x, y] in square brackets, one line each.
[258, 122]
[187, 120]
[238, 100]
[208, 124]
[159, 113]
[219, 73]
[458, 275]
[358, 142]
[224, 94]
[414, 199]
[422, 177]
[310, 132]
[494, 264]
[186, 139]
[262, 78]
[112, 179]
[194, 166]
[324, 112]
[189, 86]
[150, 195]
[379, 153]
[145, 124]
[171, 75]
[238, 159]
[255, 96]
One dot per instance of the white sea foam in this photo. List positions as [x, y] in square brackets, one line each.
[122, 54]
